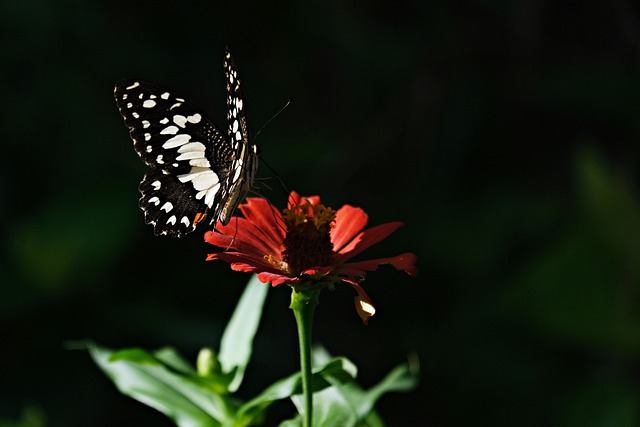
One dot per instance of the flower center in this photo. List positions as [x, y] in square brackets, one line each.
[307, 243]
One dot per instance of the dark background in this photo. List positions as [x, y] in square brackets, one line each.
[503, 133]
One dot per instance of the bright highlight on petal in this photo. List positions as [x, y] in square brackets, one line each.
[309, 244]
[364, 309]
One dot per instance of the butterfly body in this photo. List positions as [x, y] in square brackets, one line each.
[195, 170]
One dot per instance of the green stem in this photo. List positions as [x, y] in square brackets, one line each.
[303, 304]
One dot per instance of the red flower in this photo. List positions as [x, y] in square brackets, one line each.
[309, 245]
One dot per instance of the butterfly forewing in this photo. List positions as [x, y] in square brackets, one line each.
[167, 132]
[195, 169]
[244, 161]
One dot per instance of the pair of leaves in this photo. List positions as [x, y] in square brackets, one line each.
[165, 381]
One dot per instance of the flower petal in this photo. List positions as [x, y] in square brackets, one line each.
[405, 262]
[364, 308]
[242, 239]
[267, 220]
[275, 278]
[349, 222]
[256, 263]
[365, 239]
[363, 303]
[296, 200]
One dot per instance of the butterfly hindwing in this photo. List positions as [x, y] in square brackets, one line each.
[169, 205]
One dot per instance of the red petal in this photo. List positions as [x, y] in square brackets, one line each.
[363, 303]
[405, 262]
[267, 220]
[275, 279]
[367, 238]
[349, 222]
[296, 200]
[242, 239]
[257, 263]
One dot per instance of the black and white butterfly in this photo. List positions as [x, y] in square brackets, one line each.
[195, 170]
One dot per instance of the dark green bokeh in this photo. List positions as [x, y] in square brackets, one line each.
[505, 135]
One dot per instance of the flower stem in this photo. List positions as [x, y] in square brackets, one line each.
[303, 304]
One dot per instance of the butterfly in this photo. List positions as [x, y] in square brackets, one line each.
[195, 170]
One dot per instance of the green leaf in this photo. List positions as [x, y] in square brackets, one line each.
[237, 340]
[349, 399]
[170, 357]
[348, 404]
[184, 398]
[337, 369]
[330, 408]
[401, 379]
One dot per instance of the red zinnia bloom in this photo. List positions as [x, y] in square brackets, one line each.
[309, 245]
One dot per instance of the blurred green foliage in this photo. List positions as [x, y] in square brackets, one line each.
[504, 134]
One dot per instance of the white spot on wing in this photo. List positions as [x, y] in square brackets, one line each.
[159, 159]
[149, 148]
[176, 141]
[169, 130]
[135, 115]
[164, 121]
[147, 136]
[192, 146]
[205, 181]
[154, 200]
[211, 194]
[179, 120]
[200, 162]
[156, 185]
[195, 118]
[133, 86]
[165, 95]
[189, 155]
[236, 175]
[145, 124]
[167, 207]
[172, 220]
[185, 221]
[149, 103]
[193, 150]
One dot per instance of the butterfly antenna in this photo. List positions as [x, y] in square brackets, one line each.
[276, 219]
[275, 174]
[235, 233]
[273, 117]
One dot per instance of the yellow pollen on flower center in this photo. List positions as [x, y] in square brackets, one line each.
[280, 265]
[307, 242]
